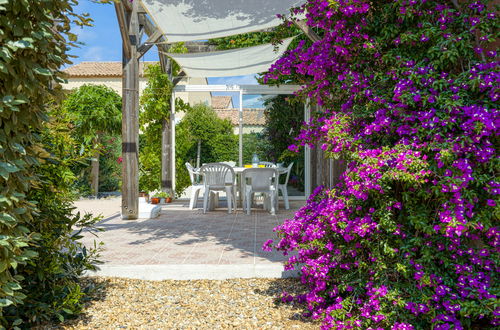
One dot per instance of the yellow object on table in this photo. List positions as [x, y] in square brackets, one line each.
[250, 166]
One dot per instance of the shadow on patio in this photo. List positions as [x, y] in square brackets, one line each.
[183, 236]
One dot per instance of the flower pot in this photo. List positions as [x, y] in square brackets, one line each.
[168, 200]
[155, 200]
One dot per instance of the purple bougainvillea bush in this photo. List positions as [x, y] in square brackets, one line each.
[408, 92]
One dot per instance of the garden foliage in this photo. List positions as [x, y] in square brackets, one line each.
[284, 118]
[409, 238]
[40, 260]
[215, 136]
[96, 117]
[155, 103]
[155, 112]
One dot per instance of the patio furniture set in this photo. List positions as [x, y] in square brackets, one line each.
[243, 182]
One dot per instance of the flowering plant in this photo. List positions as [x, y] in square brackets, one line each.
[408, 92]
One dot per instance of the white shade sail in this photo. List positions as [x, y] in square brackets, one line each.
[190, 20]
[234, 62]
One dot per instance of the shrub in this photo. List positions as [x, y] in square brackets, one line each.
[40, 261]
[95, 113]
[409, 238]
[217, 142]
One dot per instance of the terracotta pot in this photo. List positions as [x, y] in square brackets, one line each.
[168, 200]
[155, 200]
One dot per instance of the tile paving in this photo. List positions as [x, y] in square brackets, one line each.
[180, 236]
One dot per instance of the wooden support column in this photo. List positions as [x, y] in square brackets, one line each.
[166, 147]
[129, 28]
[166, 143]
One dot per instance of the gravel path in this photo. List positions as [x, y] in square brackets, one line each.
[200, 304]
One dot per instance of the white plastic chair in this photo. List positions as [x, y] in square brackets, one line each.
[218, 177]
[262, 180]
[267, 164]
[283, 186]
[196, 186]
[230, 163]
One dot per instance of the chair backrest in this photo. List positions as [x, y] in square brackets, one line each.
[192, 173]
[267, 164]
[230, 163]
[217, 174]
[261, 179]
[288, 171]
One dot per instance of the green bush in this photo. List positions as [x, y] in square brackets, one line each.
[95, 114]
[284, 118]
[40, 258]
[110, 168]
[254, 143]
[155, 102]
[217, 141]
[51, 279]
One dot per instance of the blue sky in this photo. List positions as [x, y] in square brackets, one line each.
[102, 42]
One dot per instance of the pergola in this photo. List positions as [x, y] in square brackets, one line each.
[170, 21]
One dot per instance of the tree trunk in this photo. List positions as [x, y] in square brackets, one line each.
[94, 170]
[198, 154]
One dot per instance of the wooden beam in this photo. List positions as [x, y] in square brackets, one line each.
[127, 5]
[149, 43]
[123, 25]
[309, 32]
[130, 119]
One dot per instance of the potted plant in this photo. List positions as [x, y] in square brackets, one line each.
[164, 197]
[155, 198]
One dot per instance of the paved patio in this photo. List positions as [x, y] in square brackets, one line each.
[187, 244]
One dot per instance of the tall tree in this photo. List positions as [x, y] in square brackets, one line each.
[96, 111]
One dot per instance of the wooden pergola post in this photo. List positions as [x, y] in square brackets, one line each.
[129, 28]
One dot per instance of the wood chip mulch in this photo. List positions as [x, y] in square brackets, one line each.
[200, 304]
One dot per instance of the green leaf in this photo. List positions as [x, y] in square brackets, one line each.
[3, 265]
[5, 302]
[43, 71]
[7, 219]
[19, 148]
[8, 99]
[9, 167]
[19, 44]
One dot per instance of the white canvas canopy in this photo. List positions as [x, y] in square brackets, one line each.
[190, 20]
[234, 62]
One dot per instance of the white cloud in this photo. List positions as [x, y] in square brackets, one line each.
[85, 34]
[93, 54]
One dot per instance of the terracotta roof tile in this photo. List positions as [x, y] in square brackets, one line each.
[221, 102]
[100, 69]
[253, 117]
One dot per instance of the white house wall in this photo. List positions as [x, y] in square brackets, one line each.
[115, 83]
